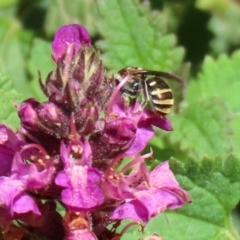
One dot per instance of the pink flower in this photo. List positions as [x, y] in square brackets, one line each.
[22, 179]
[144, 193]
[79, 180]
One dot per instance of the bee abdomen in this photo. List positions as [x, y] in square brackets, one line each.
[160, 94]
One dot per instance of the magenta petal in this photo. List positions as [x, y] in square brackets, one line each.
[162, 176]
[27, 112]
[162, 123]
[9, 190]
[38, 179]
[72, 34]
[158, 200]
[143, 135]
[83, 192]
[24, 204]
[120, 130]
[134, 210]
[61, 179]
[152, 118]
[9, 139]
[9, 144]
[30, 175]
[65, 155]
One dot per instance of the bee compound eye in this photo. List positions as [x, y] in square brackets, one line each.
[135, 86]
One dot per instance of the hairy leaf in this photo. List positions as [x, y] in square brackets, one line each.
[8, 97]
[202, 129]
[219, 78]
[130, 39]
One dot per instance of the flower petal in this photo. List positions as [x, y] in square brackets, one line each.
[24, 204]
[162, 177]
[142, 137]
[72, 34]
[83, 192]
[134, 210]
[10, 142]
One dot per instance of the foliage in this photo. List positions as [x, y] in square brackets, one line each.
[8, 97]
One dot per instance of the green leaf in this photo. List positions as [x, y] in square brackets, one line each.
[14, 48]
[201, 129]
[214, 187]
[40, 60]
[8, 97]
[235, 135]
[65, 12]
[219, 78]
[130, 39]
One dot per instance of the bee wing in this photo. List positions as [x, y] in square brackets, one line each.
[159, 74]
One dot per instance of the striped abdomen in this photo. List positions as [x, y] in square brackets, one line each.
[159, 94]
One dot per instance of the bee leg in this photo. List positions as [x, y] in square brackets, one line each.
[146, 97]
[143, 105]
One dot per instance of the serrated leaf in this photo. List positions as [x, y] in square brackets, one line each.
[8, 97]
[131, 40]
[219, 78]
[214, 186]
[40, 60]
[65, 12]
[202, 129]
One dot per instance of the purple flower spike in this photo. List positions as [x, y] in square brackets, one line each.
[71, 150]
[69, 35]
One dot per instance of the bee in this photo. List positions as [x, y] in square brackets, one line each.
[155, 90]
